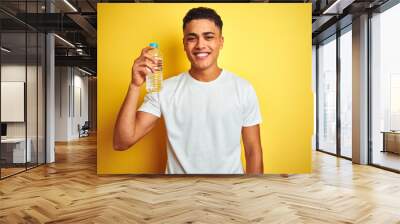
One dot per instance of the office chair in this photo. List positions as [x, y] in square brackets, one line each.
[84, 130]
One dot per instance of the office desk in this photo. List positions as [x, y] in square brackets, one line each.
[391, 141]
[13, 150]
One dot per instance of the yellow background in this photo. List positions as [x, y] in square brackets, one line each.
[267, 44]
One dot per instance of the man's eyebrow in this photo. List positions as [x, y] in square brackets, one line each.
[207, 33]
[191, 34]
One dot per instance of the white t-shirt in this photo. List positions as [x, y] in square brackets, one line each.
[204, 121]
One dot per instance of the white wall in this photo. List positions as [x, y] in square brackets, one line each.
[62, 78]
[50, 94]
[80, 84]
[16, 73]
[92, 98]
[71, 93]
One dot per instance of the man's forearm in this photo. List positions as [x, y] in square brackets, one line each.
[254, 163]
[124, 130]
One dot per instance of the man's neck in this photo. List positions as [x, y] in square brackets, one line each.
[206, 75]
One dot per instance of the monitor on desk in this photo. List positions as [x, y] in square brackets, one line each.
[3, 130]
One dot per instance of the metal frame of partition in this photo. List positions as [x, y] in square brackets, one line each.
[44, 94]
[338, 97]
[0, 90]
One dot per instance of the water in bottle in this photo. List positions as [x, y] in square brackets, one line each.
[154, 80]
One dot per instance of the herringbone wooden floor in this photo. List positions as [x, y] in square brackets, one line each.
[69, 191]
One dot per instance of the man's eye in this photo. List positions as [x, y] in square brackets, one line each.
[190, 38]
[209, 37]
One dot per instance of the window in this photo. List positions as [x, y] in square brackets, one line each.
[327, 96]
[385, 88]
[346, 93]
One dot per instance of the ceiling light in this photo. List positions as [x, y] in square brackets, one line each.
[5, 50]
[64, 40]
[338, 6]
[84, 71]
[70, 5]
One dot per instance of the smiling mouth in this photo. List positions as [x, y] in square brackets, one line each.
[201, 55]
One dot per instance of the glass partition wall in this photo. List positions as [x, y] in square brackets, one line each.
[345, 62]
[22, 106]
[334, 104]
[385, 89]
[327, 95]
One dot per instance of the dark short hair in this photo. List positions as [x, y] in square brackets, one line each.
[203, 13]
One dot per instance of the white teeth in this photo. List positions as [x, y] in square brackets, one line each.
[202, 55]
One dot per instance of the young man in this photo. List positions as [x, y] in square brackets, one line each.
[206, 110]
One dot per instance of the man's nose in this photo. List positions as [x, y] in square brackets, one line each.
[200, 44]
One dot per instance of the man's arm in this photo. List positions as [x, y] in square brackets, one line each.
[253, 150]
[131, 125]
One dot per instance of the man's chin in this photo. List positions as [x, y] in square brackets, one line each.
[200, 67]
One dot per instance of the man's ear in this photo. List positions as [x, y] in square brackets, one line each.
[222, 42]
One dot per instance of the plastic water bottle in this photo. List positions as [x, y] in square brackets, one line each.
[154, 80]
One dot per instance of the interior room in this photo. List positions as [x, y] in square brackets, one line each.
[330, 130]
